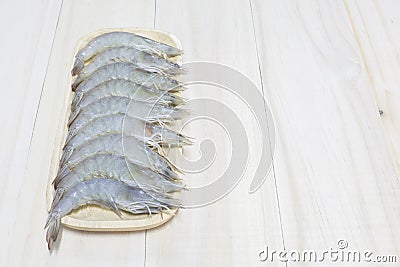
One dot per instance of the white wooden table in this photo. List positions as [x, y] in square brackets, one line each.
[326, 68]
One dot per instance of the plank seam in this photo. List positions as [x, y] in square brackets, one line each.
[45, 76]
[145, 248]
[263, 93]
[155, 14]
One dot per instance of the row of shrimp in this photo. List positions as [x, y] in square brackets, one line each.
[126, 95]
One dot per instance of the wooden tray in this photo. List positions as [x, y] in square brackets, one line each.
[94, 218]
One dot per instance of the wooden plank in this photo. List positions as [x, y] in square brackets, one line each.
[377, 28]
[232, 231]
[26, 44]
[28, 239]
[334, 171]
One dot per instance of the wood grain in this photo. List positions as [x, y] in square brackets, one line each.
[75, 246]
[376, 28]
[326, 68]
[232, 231]
[24, 53]
[334, 172]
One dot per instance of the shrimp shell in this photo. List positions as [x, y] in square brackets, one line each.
[132, 148]
[114, 104]
[142, 59]
[116, 167]
[118, 38]
[125, 88]
[127, 71]
[107, 193]
[117, 123]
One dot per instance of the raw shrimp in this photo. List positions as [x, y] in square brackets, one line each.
[125, 88]
[116, 167]
[107, 193]
[148, 132]
[142, 59]
[118, 38]
[127, 71]
[132, 148]
[116, 104]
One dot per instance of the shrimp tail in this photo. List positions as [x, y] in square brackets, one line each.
[57, 196]
[77, 99]
[53, 228]
[61, 174]
[67, 151]
[78, 65]
[77, 82]
[73, 116]
[60, 177]
[71, 134]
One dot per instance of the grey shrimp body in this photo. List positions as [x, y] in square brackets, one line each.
[107, 193]
[142, 59]
[116, 167]
[127, 71]
[124, 88]
[148, 132]
[115, 104]
[119, 38]
[135, 151]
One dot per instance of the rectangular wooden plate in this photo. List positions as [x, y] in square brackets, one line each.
[91, 217]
